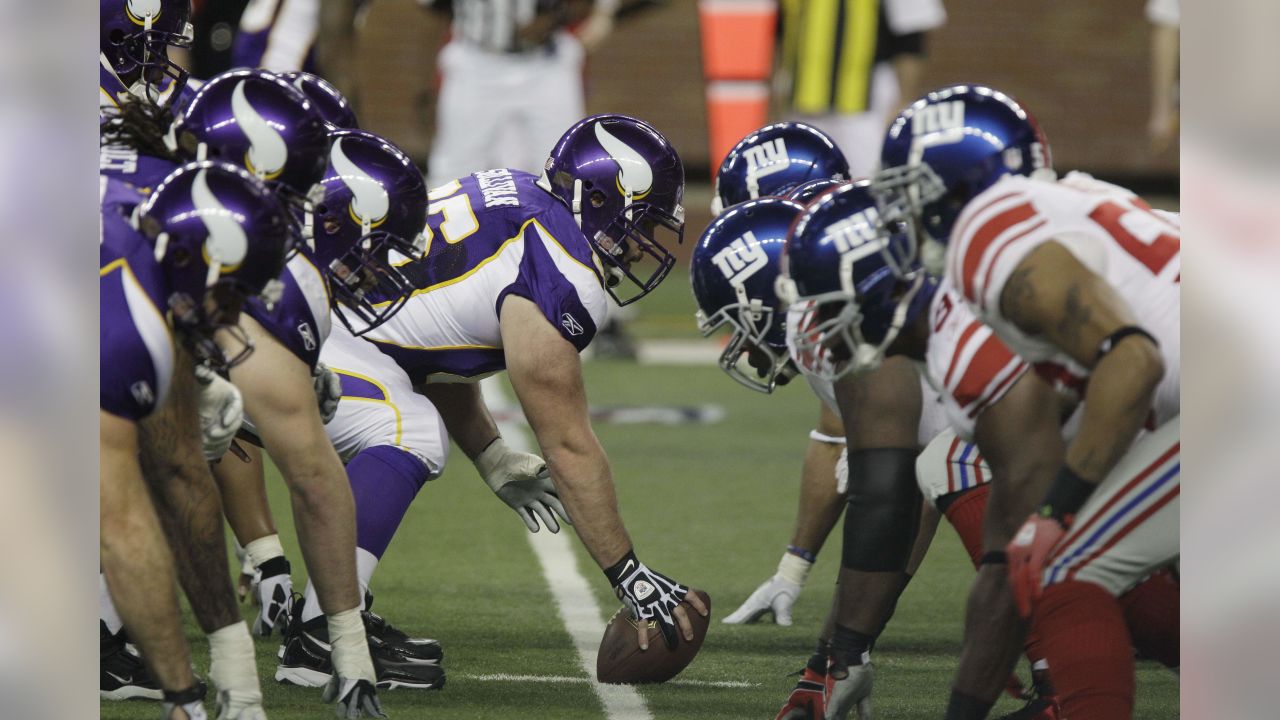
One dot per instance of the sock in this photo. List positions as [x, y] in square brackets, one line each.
[384, 481]
[851, 646]
[966, 515]
[818, 660]
[967, 707]
[1151, 612]
[1086, 642]
[107, 609]
[1033, 647]
[263, 549]
[310, 603]
[366, 563]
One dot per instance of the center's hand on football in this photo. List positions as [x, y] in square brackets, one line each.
[652, 596]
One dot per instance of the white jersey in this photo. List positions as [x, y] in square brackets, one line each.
[969, 367]
[1108, 229]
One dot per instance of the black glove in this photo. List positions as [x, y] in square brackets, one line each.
[647, 594]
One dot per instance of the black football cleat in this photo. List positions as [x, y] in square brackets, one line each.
[123, 675]
[305, 659]
[417, 649]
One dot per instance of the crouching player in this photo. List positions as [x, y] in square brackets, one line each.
[179, 265]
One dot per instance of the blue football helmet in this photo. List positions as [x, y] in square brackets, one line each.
[942, 151]
[774, 159]
[622, 180]
[134, 42]
[253, 119]
[805, 193]
[836, 267]
[326, 99]
[221, 237]
[733, 272]
[374, 204]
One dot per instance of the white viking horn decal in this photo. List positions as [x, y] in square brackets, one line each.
[226, 245]
[634, 172]
[267, 150]
[370, 202]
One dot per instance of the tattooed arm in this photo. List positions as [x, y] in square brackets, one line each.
[1054, 296]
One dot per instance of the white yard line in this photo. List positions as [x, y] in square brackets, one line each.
[504, 677]
[574, 599]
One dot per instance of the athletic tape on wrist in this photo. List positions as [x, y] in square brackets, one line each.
[794, 568]
[232, 666]
[350, 655]
[264, 549]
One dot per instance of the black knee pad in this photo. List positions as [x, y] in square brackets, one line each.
[884, 510]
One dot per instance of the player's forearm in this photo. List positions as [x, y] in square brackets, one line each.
[1117, 403]
[584, 482]
[820, 504]
[465, 415]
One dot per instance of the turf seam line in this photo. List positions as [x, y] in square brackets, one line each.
[508, 677]
[575, 601]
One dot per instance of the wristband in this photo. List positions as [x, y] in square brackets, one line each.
[619, 570]
[802, 553]
[195, 693]
[1066, 496]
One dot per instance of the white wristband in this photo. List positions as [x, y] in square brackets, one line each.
[794, 569]
[351, 659]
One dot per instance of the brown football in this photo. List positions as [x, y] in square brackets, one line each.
[621, 661]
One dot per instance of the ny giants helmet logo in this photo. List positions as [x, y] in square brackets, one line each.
[635, 175]
[369, 200]
[226, 244]
[767, 158]
[142, 12]
[267, 152]
[741, 259]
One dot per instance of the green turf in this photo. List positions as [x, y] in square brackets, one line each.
[710, 505]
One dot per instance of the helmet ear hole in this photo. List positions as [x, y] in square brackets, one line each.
[597, 199]
[180, 257]
[116, 36]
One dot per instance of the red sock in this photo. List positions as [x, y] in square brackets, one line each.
[1151, 611]
[1083, 634]
[966, 514]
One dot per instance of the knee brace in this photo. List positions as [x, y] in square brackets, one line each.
[884, 510]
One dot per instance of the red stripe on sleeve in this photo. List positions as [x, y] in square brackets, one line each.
[973, 327]
[992, 357]
[982, 239]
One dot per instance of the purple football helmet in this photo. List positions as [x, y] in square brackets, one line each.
[836, 268]
[374, 204]
[135, 37]
[622, 180]
[253, 119]
[221, 236]
[942, 151]
[326, 99]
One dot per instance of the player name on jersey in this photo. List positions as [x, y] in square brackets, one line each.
[498, 188]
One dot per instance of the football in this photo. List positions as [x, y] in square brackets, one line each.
[621, 661]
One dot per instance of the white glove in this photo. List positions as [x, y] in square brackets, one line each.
[221, 412]
[522, 481]
[852, 693]
[777, 594]
[328, 388]
[272, 591]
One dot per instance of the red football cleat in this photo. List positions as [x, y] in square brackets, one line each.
[806, 701]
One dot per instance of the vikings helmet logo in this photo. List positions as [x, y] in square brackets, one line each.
[634, 172]
[226, 244]
[369, 200]
[143, 12]
[267, 152]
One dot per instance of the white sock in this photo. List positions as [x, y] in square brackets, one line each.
[366, 563]
[107, 609]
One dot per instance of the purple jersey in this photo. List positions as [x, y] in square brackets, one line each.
[135, 350]
[491, 235]
[300, 318]
[143, 172]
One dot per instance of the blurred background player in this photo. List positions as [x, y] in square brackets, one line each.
[846, 64]
[134, 50]
[1165, 17]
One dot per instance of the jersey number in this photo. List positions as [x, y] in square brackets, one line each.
[459, 221]
[1140, 232]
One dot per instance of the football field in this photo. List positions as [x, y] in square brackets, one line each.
[709, 497]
